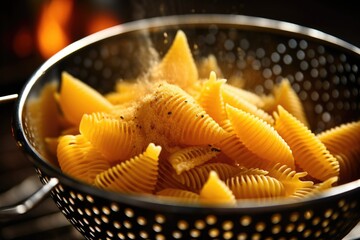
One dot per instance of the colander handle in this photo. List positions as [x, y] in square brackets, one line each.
[30, 202]
[34, 199]
[8, 98]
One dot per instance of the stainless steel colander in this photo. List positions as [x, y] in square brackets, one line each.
[323, 70]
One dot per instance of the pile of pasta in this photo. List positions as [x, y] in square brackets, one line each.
[182, 132]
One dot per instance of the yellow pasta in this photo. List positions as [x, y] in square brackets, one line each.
[172, 113]
[137, 175]
[87, 100]
[240, 103]
[309, 153]
[207, 65]
[78, 158]
[211, 99]
[239, 153]
[229, 90]
[196, 177]
[289, 178]
[113, 136]
[178, 66]
[285, 96]
[340, 142]
[167, 177]
[188, 158]
[179, 195]
[180, 133]
[215, 191]
[260, 137]
[255, 186]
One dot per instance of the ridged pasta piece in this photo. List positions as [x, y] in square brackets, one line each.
[309, 152]
[315, 189]
[78, 158]
[111, 135]
[190, 157]
[244, 94]
[340, 142]
[260, 137]
[349, 166]
[177, 66]
[340, 138]
[215, 191]
[137, 175]
[211, 99]
[207, 65]
[77, 98]
[239, 153]
[255, 186]
[289, 178]
[251, 171]
[243, 104]
[196, 177]
[41, 111]
[285, 96]
[179, 195]
[172, 113]
[168, 178]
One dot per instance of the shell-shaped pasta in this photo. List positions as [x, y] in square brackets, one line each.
[207, 65]
[315, 189]
[255, 186]
[175, 114]
[309, 152]
[138, 174]
[215, 191]
[340, 139]
[340, 142]
[44, 119]
[110, 134]
[168, 178]
[243, 104]
[177, 66]
[239, 153]
[196, 177]
[179, 195]
[289, 178]
[190, 157]
[211, 99]
[349, 166]
[78, 158]
[285, 96]
[229, 90]
[77, 98]
[260, 137]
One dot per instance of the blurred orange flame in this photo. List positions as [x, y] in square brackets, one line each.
[53, 22]
[100, 21]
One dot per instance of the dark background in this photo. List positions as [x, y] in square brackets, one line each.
[338, 18]
[20, 57]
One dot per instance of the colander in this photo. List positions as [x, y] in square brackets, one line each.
[323, 70]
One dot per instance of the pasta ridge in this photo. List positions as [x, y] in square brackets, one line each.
[255, 186]
[260, 137]
[309, 153]
[78, 158]
[138, 174]
[190, 157]
[110, 134]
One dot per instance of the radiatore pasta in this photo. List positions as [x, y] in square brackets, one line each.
[183, 133]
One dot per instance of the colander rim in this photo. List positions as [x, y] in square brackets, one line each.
[167, 21]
